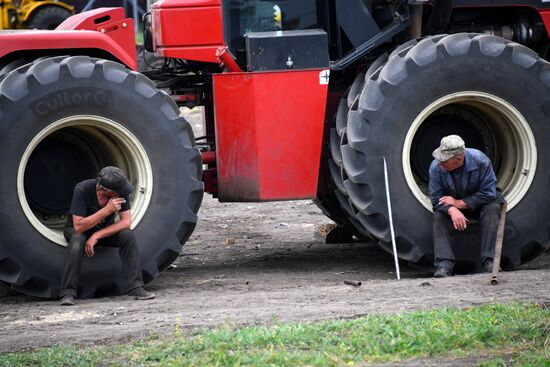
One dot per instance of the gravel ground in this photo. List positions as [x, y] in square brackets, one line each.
[257, 264]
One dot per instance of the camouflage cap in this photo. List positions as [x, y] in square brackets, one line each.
[450, 146]
[114, 179]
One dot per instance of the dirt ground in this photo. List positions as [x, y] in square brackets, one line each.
[276, 270]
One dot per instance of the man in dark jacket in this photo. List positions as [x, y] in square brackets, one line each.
[462, 187]
[91, 223]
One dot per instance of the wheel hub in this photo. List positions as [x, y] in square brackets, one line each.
[71, 150]
[56, 165]
[485, 122]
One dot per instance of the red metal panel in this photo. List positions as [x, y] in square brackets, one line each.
[185, 3]
[545, 15]
[190, 30]
[104, 28]
[269, 129]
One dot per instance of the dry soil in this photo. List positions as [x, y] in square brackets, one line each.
[258, 264]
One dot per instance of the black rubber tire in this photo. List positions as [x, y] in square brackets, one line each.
[335, 205]
[335, 159]
[394, 96]
[329, 203]
[30, 262]
[350, 103]
[47, 17]
[10, 66]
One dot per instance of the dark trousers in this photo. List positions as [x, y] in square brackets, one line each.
[127, 249]
[488, 216]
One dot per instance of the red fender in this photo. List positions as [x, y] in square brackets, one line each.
[106, 29]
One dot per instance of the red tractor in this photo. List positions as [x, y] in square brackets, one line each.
[302, 100]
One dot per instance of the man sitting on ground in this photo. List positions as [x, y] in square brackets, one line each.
[462, 187]
[91, 223]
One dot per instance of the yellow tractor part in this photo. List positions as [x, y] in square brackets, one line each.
[40, 14]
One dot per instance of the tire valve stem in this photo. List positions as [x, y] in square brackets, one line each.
[524, 171]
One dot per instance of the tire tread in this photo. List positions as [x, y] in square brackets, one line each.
[358, 166]
[17, 84]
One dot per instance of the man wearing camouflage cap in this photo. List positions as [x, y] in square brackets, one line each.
[91, 223]
[462, 187]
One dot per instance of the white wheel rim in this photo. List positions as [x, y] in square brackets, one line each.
[126, 150]
[516, 176]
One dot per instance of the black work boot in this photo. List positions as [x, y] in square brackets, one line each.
[67, 300]
[140, 294]
[442, 272]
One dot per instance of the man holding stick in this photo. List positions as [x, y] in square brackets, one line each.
[462, 187]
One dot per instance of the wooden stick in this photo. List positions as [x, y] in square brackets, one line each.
[498, 244]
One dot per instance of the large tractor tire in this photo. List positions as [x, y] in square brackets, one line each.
[336, 205]
[61, 120]
[328, 201]
[493, 93]
[48, 17]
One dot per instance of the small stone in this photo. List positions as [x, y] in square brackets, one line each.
[229, 241]
[330, 233]
[324, 229]
[425, 284]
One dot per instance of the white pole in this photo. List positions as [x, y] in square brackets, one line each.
[135, 13]
[391, 220]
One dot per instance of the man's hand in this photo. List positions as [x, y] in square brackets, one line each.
[448, 201]
[114, 205]
[90, 243]
[451, 201]
[458, 219]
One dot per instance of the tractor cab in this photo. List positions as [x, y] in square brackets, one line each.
[249, 27]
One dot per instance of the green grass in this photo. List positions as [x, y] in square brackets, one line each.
[537, 358]
[139, 37]
[517, 331]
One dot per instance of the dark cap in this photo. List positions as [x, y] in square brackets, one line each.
[114, 179]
